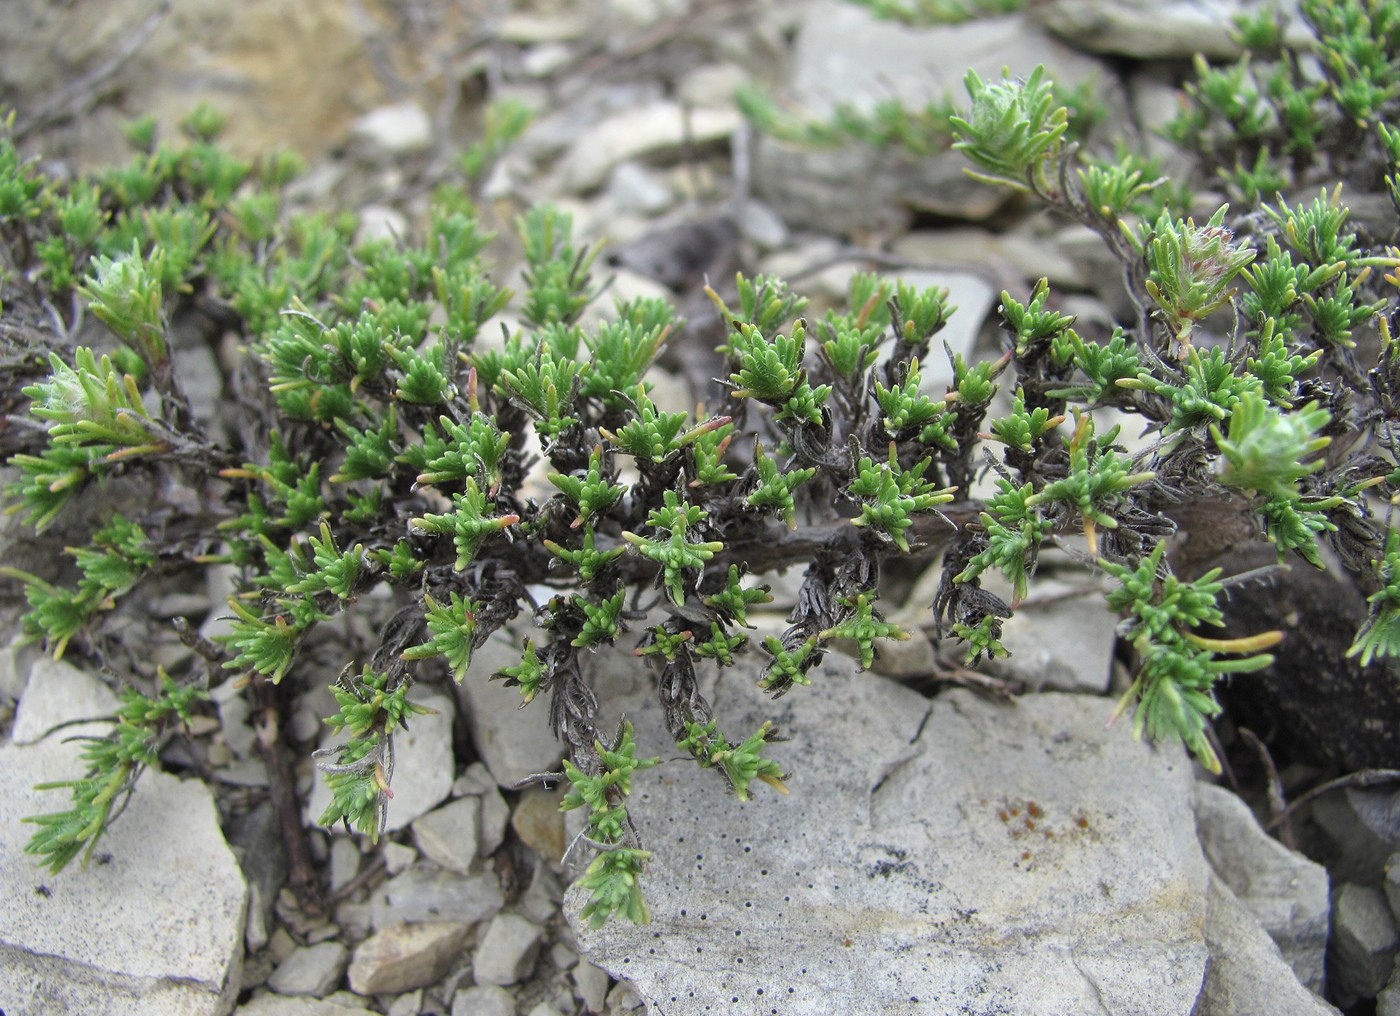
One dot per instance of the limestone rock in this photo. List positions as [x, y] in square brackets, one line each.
[1003, 858]
[1148, 31]
[57, 693]
[507, 951]
[153, 927]
[1364, 943]
[1061, 638]
[427, 893]
[396, 130]
[483, 1000]
[16, 661]
[844, 55]
[286, 74]
[450, 835]
[1286, 892]
[281, 1005]
[513, 742]
[647, 131]
[406, 956]
[1247, 973]
[311, 970]
[539, 823]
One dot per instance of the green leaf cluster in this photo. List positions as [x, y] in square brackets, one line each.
[112, 764]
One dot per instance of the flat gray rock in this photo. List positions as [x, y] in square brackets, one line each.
[513, 742]
[844, 55]
[1142, 29]
[646, 131]
[281, 1005]
[406, 956]
[450, 835]
[1247, 974]
[425, 892]
[59, 692]
[399, 129]
[1364, 942]
[507, 950]
[153, 926]
[311, 970]
[1061, 638]
[975, 857]
[1286, 892]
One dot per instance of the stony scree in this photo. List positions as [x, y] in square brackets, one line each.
[633, 151]
[425, 892]
[279, 1005]
[924, 858]
[450, 835]
[483, 1000]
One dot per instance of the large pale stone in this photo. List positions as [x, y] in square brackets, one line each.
[966, 854]
[287, 73]
[513, 742]
[60, 693]
[845, 56]
[1286, 893]
[153, 927]
[1247, 974]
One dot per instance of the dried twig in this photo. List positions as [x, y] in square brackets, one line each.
[1359, 779]
[1278, 807]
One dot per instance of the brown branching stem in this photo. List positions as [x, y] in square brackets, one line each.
[282, 788]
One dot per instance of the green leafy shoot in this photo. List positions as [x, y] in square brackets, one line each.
[612, 879]
[671, 549]
[1024, 430]
[588, 560]
[890, 495]
[734, 600]
[1379, 637]
[453, 629]
[528, 675]
[1097, 475]
[774, 487]
[1013, 132]
[593, 492]
[357, 772]
[112, 765]
[1031, 324]
[1178, 667]
[1014, 530]
[863, 625]
[740, 764]
[1266, 448]
[469, 525]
